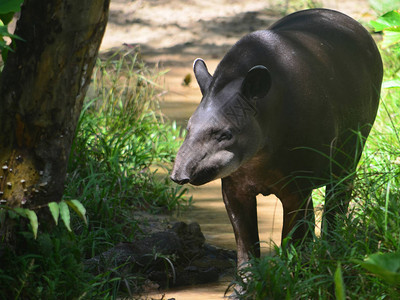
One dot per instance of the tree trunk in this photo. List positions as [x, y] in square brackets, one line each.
[42, 87]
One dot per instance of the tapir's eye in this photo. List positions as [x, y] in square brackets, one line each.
[224, 136]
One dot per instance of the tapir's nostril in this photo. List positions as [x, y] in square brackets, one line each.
[179, 180]
[183, 181]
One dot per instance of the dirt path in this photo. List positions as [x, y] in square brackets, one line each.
[200, 26]
[172, 33]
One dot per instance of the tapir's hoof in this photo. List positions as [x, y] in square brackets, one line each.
[237, 292]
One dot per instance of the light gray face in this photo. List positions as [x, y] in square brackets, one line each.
[222, 133]
[208, 151]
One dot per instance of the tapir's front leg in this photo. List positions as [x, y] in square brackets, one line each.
[242, 211]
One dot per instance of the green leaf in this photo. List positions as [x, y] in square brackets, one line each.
[395, 83]
[6, 18]
[55, 211]
[389, 23]
[65, 216]
[340, 290]
[33, 220]
[31, 215]
[4, 32]
[7, 6]
[21, 211]
[384, 265]
[390, 38]
[390, 20]
[78, 208]
[4, 53]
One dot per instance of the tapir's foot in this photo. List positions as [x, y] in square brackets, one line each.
[243, 277]
[237, 291]
[233, 296]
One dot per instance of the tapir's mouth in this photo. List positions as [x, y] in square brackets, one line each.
[180, 181]
[204, 176]
[198, 182]
[196, 178]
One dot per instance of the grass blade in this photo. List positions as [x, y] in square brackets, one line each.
[340, 291]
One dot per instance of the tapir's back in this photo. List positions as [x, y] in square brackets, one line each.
[314, 52]
[326, 25]
[330, 69]
[337, 51]
[306, 20]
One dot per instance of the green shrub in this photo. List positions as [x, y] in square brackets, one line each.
[49, 267]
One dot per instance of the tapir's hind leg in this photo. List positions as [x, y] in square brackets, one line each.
[298, 215]
[242, 212]
[342, 173]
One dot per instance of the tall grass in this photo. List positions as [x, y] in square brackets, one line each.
[120, 140]
[122, 137]
[372, 225]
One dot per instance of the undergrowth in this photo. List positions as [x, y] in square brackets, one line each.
[121, 137]
[121, 141]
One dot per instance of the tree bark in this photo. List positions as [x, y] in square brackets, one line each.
[42, 88]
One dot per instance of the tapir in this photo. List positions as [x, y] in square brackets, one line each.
[287, 110]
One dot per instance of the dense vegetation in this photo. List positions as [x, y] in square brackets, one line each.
[361, 258]
[121, 140]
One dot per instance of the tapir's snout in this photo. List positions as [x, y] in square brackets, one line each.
[178, 174]
[188, 168]
[203, 157]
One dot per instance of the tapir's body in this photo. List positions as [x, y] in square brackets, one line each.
[280, 116]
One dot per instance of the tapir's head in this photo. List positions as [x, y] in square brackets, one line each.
[224, 131]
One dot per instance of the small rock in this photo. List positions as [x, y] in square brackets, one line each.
[174, 257]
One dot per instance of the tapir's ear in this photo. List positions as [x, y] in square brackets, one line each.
[257, 82]
[203, 77]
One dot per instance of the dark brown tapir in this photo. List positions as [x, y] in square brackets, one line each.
[287, 111]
